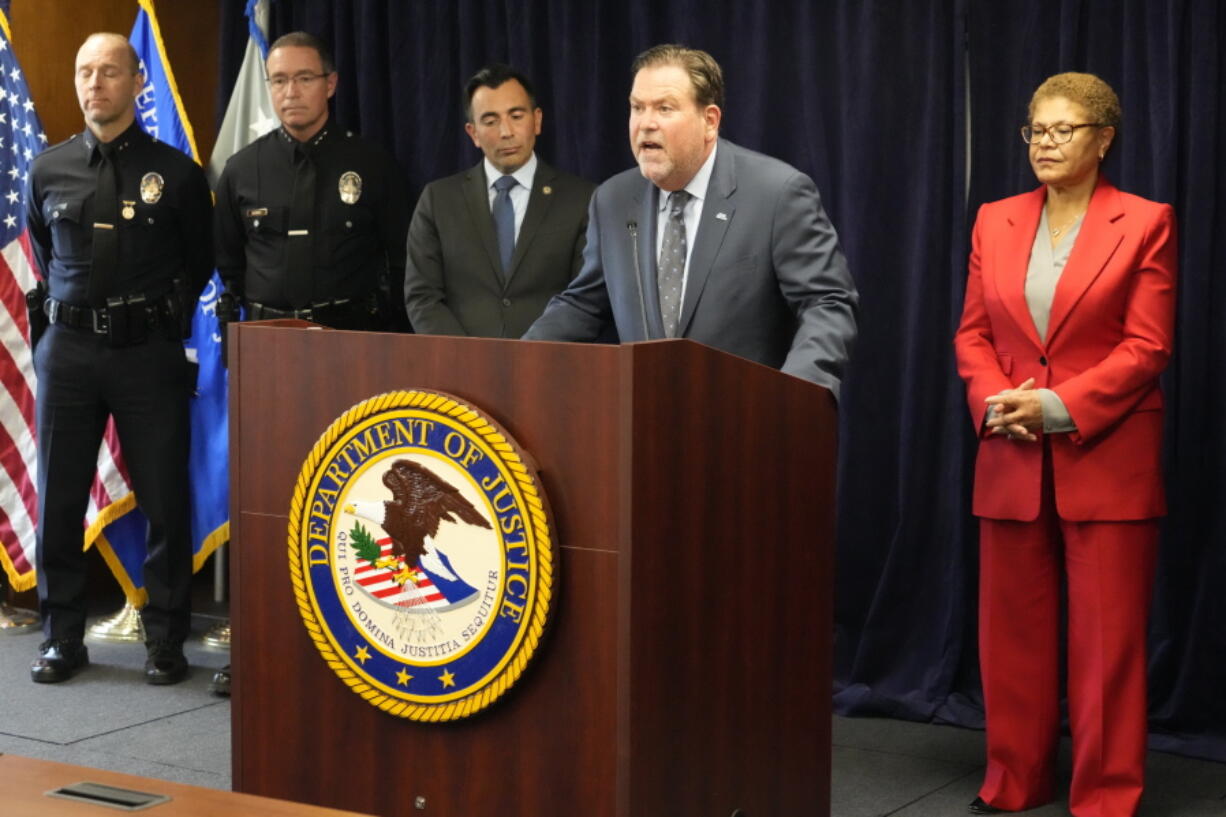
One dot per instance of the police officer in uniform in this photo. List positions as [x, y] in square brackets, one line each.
[121, 227]
[311, 220]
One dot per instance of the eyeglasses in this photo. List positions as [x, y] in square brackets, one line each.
[1061, 132]
[280, 82]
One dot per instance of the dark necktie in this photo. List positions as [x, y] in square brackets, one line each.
[300, 262]
[670, 271]
[105, 261]
[504, 221]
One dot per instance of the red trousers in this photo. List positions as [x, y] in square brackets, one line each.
[1110, 568]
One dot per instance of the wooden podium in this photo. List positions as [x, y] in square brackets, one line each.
[687, 672]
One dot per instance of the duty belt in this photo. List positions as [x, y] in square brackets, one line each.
[263, 312]
[124, 320]
[77, 317]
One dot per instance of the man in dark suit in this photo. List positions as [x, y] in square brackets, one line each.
[718, 243]
[484, 260]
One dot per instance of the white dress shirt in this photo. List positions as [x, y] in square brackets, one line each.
[697, 188]
[520, 193]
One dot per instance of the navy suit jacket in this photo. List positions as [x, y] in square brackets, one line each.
[767, 280]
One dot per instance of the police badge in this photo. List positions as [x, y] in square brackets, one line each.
[151, 185]
[351, 187]
[422, 555]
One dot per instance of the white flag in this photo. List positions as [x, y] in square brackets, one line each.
[250, 112]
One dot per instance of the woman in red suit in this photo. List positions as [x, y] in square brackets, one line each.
[1070, 305]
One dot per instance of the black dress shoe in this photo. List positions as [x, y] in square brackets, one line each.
[980, 806]
[58, 659]
[165, 663]
[220, 685]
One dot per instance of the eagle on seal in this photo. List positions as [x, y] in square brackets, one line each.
[420, 501]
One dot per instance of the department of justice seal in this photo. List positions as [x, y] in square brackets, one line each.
[422, 555]
[350, 186]
[151, 185]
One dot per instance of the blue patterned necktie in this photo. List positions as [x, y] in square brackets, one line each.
[670, 270]
[504, 221]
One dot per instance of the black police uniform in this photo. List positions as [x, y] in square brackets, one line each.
[314, 230]
[114, 228]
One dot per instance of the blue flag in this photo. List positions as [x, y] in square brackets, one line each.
[159, 109]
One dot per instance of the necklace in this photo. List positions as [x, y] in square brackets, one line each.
[1055, 231]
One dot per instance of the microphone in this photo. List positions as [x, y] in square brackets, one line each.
[633, 228]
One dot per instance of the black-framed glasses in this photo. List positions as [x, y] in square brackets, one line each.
[304, 79]
[1061, 132]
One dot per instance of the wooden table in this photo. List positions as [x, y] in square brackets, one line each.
[25, 781]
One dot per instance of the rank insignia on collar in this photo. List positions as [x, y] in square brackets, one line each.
[151, 185]
[350, 187]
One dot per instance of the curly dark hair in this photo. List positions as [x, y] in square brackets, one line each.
[1087, 90]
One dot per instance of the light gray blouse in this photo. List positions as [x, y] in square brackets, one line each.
[1043, 273]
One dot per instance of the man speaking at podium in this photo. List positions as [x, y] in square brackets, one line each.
[720, 244]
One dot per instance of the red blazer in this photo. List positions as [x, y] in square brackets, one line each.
[1108, 339]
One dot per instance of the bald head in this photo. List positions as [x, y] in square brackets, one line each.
[110, 40]
[108, 79]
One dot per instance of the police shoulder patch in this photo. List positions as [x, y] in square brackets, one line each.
[422, 555]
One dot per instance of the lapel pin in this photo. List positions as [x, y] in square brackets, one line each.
[546, 190]
[722, 216]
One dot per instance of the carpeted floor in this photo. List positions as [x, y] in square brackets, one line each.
[107, 717]
[901, 769]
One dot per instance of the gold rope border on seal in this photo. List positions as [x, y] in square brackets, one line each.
[513, 462]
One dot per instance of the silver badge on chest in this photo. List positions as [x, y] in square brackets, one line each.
[350, 187]
[151, 185]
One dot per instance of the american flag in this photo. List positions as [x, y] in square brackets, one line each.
[21, 138]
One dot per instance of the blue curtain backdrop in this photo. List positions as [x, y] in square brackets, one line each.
[877, 100]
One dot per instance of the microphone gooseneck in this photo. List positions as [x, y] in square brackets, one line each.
[633, 228]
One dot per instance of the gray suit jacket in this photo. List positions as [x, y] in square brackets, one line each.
[453, 283]
[767, 280]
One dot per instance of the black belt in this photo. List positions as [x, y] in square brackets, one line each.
[264, 312]
[77, 317]
[131, 316]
